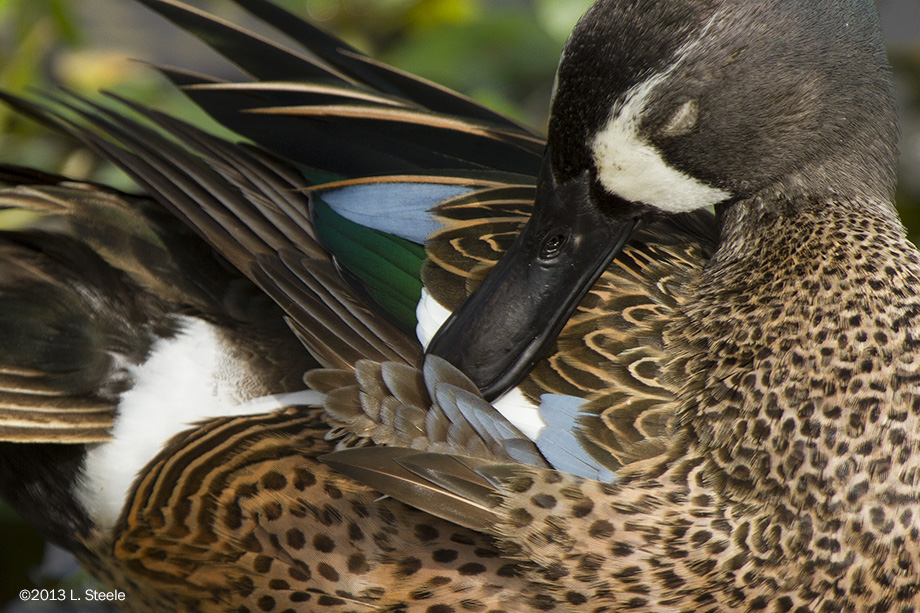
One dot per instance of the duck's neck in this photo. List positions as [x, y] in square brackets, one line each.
[804, 366]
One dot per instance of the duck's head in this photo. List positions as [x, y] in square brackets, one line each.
[668, 106]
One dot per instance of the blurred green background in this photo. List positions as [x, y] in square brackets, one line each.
[501, 52]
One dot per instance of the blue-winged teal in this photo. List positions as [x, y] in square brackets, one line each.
[736, 391]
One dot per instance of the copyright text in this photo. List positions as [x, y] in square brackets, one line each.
[70, 595]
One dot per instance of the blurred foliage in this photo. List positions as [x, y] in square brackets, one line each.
[501, 52]
[905, 61]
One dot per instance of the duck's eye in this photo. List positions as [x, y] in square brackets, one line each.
[552, 246]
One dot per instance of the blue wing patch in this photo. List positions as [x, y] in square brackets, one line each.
[558, 443]
[400, 209]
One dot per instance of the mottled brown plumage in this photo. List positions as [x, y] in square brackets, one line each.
[238, 515]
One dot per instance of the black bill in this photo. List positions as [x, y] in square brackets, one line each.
[506, 325]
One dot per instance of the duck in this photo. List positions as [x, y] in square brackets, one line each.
[632, 476]
[156, 420]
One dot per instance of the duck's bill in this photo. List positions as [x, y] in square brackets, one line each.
[499, 333]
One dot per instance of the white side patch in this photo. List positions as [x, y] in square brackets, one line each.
[525, 415]
[187, 379]
[632, 168]
[431, 316]
[267, 404]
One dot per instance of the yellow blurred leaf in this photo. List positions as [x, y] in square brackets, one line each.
[92, 70]
[431, 12]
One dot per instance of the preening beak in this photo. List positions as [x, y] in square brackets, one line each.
[508, 323]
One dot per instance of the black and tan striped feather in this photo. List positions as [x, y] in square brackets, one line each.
[323, 58]
[58, 381]
[372, 73]
[385, 120]
[67, 340]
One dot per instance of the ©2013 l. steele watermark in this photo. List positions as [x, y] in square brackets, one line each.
[71, 595]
